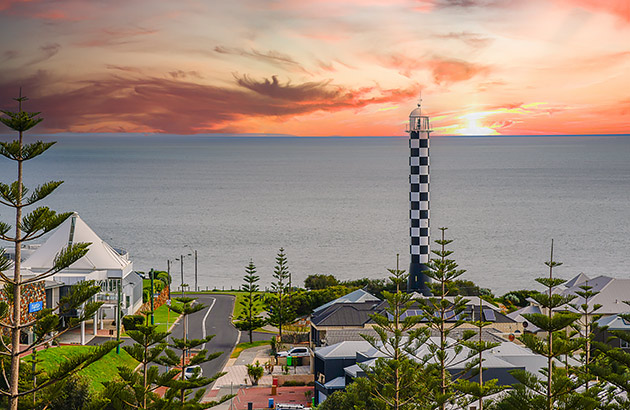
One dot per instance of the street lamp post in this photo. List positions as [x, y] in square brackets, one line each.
[181, 271]
[151, 275]
[196, 286]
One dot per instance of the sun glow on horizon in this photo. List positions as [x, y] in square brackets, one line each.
[473, 126]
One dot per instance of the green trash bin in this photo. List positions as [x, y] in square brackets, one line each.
[289, 361]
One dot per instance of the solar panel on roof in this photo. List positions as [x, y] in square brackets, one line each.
[489, 315]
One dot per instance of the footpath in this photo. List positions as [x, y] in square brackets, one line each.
[236, 381]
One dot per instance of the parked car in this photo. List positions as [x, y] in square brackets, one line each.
[191, 370]
[295, 352]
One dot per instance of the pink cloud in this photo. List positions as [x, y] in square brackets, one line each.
[115, 36]
[7, 4]
[472, 39]
[444, 71]
[120, 103]
[272, 57]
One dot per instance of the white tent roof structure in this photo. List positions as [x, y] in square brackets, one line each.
[100, 255]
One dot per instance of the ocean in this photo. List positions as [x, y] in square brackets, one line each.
[340, 205]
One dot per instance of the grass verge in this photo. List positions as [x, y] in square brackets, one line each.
[246, 345]
[161, 317]
[98, 372]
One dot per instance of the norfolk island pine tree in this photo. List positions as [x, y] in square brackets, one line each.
[278, 306]
[398, 382]
[437, 311]
[249, 318]
[29, 227]
[555, 390]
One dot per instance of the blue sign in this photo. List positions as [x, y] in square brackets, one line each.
[35, 306]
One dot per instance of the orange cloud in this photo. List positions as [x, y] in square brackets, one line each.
[619, 8]
[452, 71]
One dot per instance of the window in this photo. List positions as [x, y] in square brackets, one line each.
[489, 315]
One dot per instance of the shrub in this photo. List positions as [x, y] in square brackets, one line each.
[255, 372]
[290, 383]
[130, 322]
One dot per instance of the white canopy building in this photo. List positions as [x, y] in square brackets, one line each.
[109, 267]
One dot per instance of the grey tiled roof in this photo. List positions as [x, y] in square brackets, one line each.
[358, 296]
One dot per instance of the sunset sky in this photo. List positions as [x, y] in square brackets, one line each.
[311, 68]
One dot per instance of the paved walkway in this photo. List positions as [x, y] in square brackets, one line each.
[260, 396]
[237, 382]
[237, 369]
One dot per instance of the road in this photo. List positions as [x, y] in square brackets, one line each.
[214, 319]
[217, 318]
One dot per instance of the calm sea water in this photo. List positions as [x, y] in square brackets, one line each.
[339, 205]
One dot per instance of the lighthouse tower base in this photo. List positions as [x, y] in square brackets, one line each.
[418, 281]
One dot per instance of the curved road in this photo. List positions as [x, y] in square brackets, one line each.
[216, 316]
[214, 319]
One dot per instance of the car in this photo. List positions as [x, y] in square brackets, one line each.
[191, 372]
[295, 352]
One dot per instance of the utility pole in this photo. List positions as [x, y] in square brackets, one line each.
[151, 274]
[181, 269]
[196, 287]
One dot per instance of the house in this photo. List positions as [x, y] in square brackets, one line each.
[614, 322]
[330, 363]
[611, 293]
[110, 268]
[338, 365]
[348, 317]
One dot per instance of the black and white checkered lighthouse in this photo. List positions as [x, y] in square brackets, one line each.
[418, 130]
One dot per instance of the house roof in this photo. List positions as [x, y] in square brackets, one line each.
[576, 281]
[358, 296]
[100, 255]
[342, 350]
[612, 293]
[518, 317]
[345, 314]
[336, 383]
[614, 322]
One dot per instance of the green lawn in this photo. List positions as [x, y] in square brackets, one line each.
[162, 314]
[246, 345]
[101, 371]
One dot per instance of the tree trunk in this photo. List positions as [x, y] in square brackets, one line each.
[17, 297]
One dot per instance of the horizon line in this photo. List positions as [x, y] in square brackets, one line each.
[272, 135]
